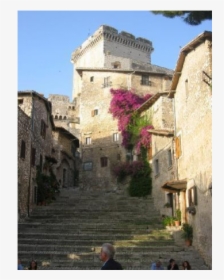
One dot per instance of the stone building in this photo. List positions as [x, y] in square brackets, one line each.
[161, 152]
[63, 113]
[39, 140]
[35, 126]
[106, 60]
[65, 147]
[192, 95]
[182, 142]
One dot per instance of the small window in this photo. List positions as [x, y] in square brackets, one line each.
[88, 166]
[156, 166]
[118, 156]
[116, 137]
[103, 161]
[56, 117]
[60, 117]
[91, 79]
[129, 156]
[23, 149]
[170, 159]
[145, 80]
[43, 129]
[88, 140]
[107, 82]
[33, 156]
[20, 101]
[65, 118]
[178, 146]
[94, 112]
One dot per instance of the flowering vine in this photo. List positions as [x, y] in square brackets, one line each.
[122, 107]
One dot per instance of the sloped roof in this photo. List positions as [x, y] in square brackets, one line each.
[183, 52]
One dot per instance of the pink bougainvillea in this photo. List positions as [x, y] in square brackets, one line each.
[122, 106]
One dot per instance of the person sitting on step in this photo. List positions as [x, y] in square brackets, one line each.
[157, 265]
[186, 265]
[172, 265]
[33, 265]
[107, 256]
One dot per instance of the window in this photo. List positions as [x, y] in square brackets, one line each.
[23, 149]
[145, 80]
[178, 146]
[94, 112]
[33, 156]
[43, 129]
[129, 156]
[192, 196]
[103, 161]
[20, 101]
[107, 82]
[156, 166]
[116, 137]
[88, 140]
[88, 166]
[118, 157]
[170, 160]
[91, 79]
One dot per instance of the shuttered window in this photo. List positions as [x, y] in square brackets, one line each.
[178, 146]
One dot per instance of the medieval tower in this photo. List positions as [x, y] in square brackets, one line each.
[107, 59]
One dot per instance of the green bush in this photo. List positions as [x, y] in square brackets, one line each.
[141, 182]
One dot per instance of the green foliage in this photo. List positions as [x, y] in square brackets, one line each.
[167, 221]
[135, 126]
[178, 215]
[187, 232]
[141, 182]
[47, 185]
[189, 17]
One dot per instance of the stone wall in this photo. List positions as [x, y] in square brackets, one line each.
[193, 105]
[24, 130]
[37, 109]
[65, 153]
[161, 115]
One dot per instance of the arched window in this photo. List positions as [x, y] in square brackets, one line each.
[60, 118]
[64, 117]
[56, 117]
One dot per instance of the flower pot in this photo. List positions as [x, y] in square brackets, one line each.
[177, 223]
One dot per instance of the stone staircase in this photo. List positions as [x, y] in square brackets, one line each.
[68, 233]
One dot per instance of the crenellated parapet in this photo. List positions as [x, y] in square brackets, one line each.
[110, 35]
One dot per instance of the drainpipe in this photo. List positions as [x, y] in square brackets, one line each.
[31, 134]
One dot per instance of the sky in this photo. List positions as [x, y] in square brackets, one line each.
[35, 53]
[46, 40]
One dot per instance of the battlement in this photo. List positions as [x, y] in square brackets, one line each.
[110, 35]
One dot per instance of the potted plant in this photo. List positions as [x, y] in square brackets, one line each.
[177, 219]
[187, 234]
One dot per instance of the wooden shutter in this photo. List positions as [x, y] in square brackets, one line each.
[150, 153]
[178, 147]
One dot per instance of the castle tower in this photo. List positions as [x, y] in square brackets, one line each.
[106, 60]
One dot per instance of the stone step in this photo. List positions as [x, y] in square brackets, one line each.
[68, 233]
[92, 261]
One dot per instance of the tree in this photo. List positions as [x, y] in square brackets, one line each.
[190, 17]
